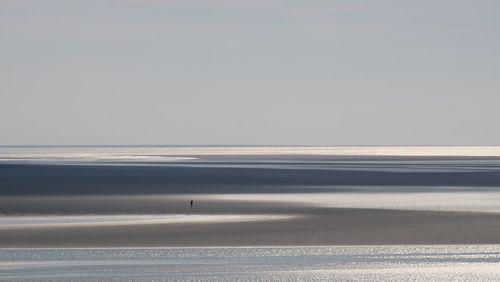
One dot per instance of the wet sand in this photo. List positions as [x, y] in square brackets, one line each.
[27, 190]
[308, 226]
[333, 227]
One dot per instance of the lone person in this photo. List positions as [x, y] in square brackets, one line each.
[191, 203]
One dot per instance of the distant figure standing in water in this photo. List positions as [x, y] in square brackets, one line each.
[191, 203]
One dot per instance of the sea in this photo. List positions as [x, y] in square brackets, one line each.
[269, 263]
[328, 263]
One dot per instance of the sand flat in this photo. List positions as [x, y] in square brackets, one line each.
[426, 203]
[332, 227]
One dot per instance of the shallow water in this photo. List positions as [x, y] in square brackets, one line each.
[370, 263]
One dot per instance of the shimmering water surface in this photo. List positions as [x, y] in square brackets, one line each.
[180, 153]
[370, 263]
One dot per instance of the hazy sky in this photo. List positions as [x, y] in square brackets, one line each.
[249, 72]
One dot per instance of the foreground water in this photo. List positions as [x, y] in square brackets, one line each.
[370, 263]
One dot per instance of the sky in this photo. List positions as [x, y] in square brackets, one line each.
[250, 72]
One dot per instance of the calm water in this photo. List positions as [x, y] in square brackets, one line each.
[371, 263]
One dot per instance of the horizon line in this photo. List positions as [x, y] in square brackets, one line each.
[223, 145]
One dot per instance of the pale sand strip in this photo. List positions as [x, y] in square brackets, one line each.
[65, 221]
